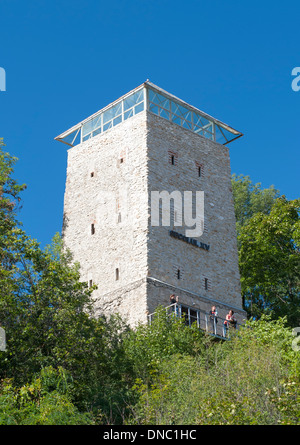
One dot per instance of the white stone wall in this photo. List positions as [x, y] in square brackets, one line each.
[109, 180]
[166, 254]
[117, 189]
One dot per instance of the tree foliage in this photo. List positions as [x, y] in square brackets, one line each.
[46, 310]
[47, 400]
[270, 261]
[250, 199]
[268, 227]
[148, 345]
[62, 365]
[252, 379]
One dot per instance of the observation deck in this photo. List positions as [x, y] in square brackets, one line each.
[213, 325]
[154, 99]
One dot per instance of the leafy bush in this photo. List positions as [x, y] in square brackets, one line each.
[252, 379]
[46, 401]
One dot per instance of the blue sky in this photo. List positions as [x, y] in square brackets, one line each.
[65, 60]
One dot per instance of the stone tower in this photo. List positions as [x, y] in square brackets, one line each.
[150, 141]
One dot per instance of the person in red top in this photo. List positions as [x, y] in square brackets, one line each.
[230, 321]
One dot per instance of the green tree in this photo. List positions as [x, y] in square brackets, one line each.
[251, 379]
[149, 344]
[9, 188]
[268, 242]
[47, 311]
[250, 199]
[269, 260]
[47, 400]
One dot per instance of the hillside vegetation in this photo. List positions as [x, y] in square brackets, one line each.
[63, 366]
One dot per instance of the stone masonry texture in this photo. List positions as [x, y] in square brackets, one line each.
[107, 219]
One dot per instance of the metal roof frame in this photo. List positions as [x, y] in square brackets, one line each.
[151, 85]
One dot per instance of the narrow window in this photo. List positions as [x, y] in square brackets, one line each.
[200, 169]
[117, 274]
[90, 283]
[92, 174]
[178, 274]
[121, 161]
[119, 217]
[206, 283]
[92, 229]
[172, 157]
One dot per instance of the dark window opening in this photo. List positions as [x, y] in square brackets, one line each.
[121, 161]
[185, 314]
[178, 274]
[206, 283]
[92, 229]
[193, 316]
[117, 274]
[173, 160]
[199, 171]
[90, 283]
[92, 174]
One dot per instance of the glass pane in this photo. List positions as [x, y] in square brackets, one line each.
[174, 108]
[219, 135]
[188, 116]
[205, 121]
[112, 112]
[163, 113]
[183, 111]
[153, 108]
[160, 98]
[197, 120]
[77, 138]
[98, 131]
[186, 124]
[117, 120]
[133, 99]
[87, 128]
[176, 120]
[155, 99]
[97, 121]
[139, 107]
[85, 138]
[163, 101]
[72, 138]
[107, 126]
[151, 95]
[209, 127]
[128, 113]
[227, 135]
[208, 135]
[198, 130]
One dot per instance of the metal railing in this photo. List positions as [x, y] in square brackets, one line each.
[213, 325]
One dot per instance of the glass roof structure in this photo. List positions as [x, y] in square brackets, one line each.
[157, 101]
